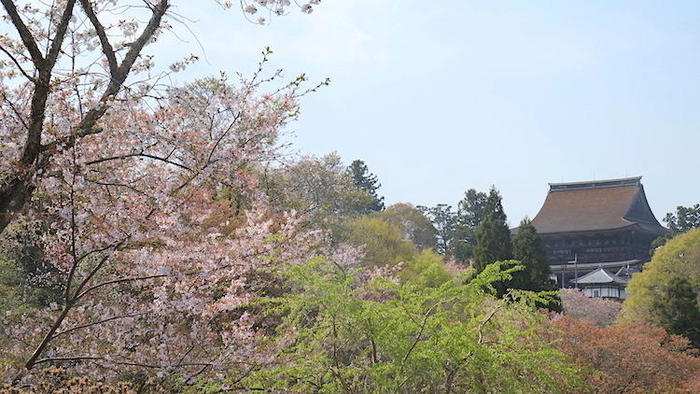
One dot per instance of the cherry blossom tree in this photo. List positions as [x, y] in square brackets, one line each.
[133, 182]
[630, 358]
[77, 53]
[155, 261]
[577, 305]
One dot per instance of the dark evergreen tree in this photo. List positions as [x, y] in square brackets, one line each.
[368, 182]
[528, 249]
[470, 213]
[678, 309]
[679, 222]
[684, 219]
[493, 241]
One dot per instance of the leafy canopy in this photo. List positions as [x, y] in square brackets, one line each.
[383, 336]
[666, 292]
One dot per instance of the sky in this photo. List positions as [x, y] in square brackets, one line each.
[440, 97]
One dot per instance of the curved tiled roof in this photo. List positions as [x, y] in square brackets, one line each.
[596, 206]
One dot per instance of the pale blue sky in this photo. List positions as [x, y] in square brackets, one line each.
[441, 96]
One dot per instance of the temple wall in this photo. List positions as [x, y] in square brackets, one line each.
[595, 248]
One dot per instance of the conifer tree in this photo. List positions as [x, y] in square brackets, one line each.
[528, 249]
[493, 241]
[368, 182]
[470, 214]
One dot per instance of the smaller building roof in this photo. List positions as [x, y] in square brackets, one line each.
[600, 276]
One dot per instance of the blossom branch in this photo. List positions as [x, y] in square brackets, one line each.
[24, 34]
[82, 326]
[146, 155]
[118, 281]
[107, 48]
[19, 66]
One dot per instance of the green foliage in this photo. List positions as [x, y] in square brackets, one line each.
[368, 182]
[414, 226]
[471, 211]
[444, 221]
[493, 241]
[24, 271]
[679, 222]
[341, 336]
[456, 231]
[678, 310]
[666, 292]
[684, 219]
[426, 269]
[383, 243]
[528, 249]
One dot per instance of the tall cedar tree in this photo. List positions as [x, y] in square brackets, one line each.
[470, 213]
[368, 182]
[493, 241]
[528, 249]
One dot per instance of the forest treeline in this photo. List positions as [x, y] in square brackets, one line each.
[157, 238]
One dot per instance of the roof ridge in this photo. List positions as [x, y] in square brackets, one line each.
[596, 184]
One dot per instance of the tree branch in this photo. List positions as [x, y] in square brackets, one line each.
[107, 48]
[19, 66]
[146, 155]
[95, 323]
[60, 34]
[25, 35]
[117, 281]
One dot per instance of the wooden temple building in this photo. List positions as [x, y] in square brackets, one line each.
[602, 283]
[587, 226]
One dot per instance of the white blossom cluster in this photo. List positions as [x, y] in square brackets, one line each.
[276, 7]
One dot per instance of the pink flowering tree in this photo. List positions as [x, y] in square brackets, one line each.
[75, 55]
[146, 196]
[600, 311]
[159, 233]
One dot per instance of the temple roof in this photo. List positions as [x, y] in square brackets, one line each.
[600, 276]
[596, 206]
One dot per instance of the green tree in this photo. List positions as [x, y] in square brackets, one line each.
[684, 219]
[426, 269]
[368, 182]
[383, 243]
[443, 218]
[679, 222]
[666, 292]
[413, 224]
[528, 249]
[493, 242]
[470, 213]
[678, 310]
[384, 337]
